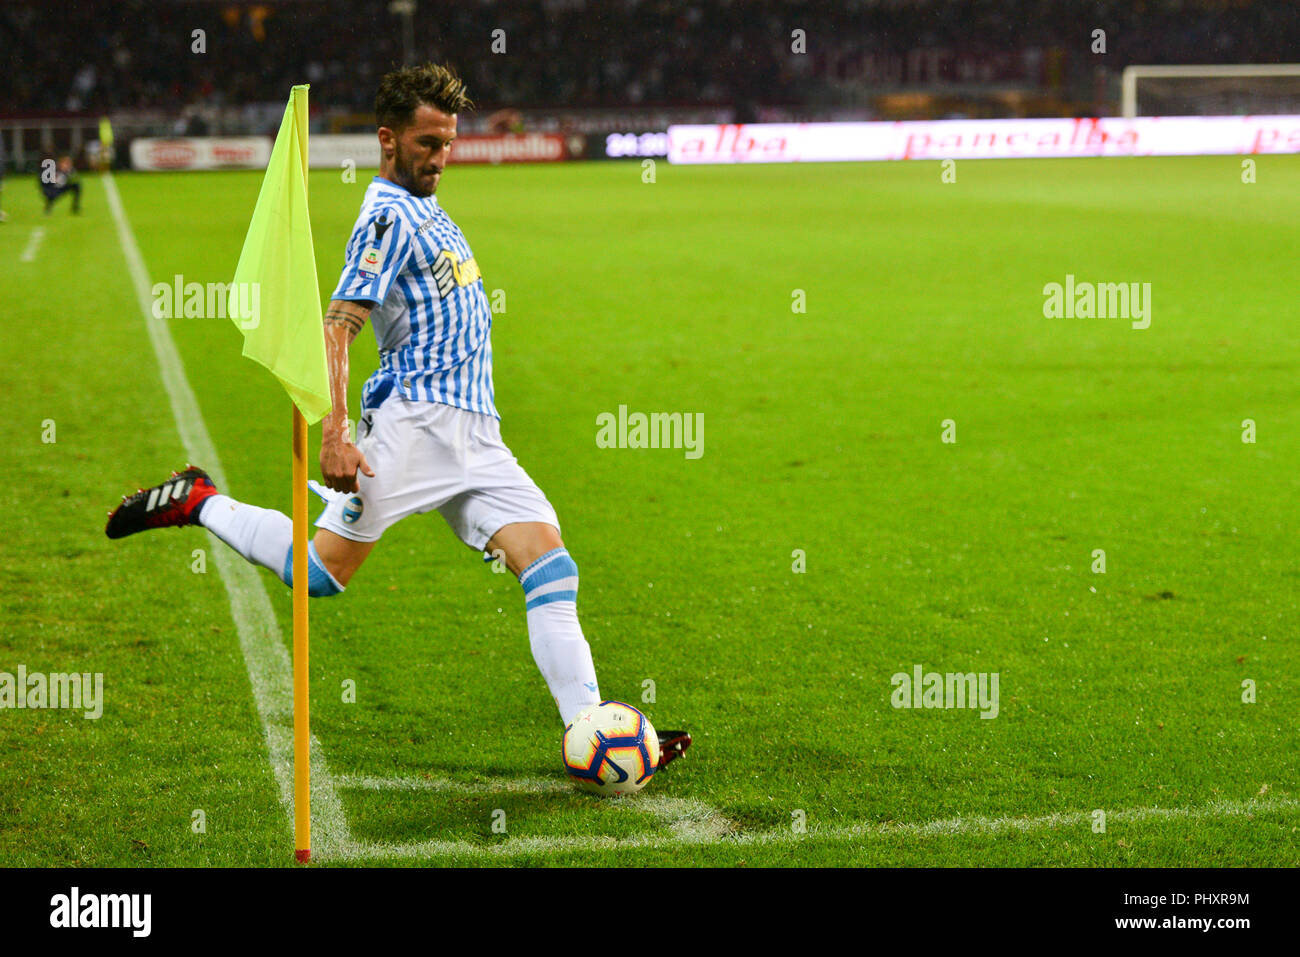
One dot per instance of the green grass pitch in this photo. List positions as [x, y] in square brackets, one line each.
[823, 433]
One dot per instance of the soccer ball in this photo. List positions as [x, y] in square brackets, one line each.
[611, 748]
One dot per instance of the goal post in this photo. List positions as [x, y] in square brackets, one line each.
[1266, 83]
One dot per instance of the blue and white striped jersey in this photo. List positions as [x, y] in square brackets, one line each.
[431, 316]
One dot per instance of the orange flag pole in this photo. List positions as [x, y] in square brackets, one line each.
[301, 708]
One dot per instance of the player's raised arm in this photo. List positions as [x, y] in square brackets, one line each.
[339, 458]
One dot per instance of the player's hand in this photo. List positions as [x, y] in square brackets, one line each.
[339, 462]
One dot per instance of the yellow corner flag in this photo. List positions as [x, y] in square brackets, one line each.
[274, 298]
[276, 304]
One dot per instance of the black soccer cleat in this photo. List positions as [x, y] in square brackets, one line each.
[173, 503]
[672, 745]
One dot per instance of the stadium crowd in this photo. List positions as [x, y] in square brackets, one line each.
[576, 53]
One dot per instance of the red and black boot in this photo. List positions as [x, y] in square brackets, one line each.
[672, 745]
[173, 503]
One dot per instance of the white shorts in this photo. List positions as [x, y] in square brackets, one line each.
[427, 455]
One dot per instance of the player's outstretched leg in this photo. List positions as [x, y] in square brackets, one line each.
[261, 535]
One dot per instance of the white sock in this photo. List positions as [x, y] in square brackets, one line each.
[564, 657]
[262, 535]
[559, 648]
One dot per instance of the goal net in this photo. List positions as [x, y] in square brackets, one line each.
[1266, 89]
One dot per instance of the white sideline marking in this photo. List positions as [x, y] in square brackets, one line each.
[685, 821]
[704, 826]
[270, 671]
[33, 243]
[1006, 825]
[689, 821]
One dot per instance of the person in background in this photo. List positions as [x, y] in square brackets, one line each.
[62, 179]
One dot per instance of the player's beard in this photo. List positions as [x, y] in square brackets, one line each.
[407, 176]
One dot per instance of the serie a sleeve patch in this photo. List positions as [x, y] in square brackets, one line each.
[371, 263]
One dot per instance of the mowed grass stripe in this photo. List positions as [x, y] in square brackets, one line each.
[178, 734]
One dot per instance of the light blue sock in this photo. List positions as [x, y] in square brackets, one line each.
[320, 583]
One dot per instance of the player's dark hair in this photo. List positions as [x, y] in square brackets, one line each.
[402, 91]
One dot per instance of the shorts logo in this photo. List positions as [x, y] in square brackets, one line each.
[352, 509]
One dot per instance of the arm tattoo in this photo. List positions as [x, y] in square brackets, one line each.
[339, 316]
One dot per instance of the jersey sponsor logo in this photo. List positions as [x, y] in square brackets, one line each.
[449, 271]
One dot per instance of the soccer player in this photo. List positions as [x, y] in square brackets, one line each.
[63, 180]
[429, 436]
